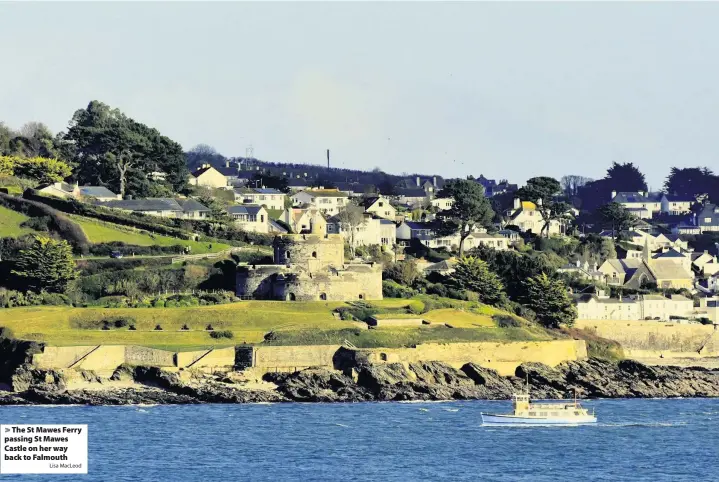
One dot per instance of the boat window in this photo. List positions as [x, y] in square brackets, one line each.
[576, 413]
[542, 414]
[532, 414]
[554, 414]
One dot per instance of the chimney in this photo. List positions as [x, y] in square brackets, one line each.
[434, 181]
[205, 165]
[614, 194]
[641, 193]
[517, 203]
[227, 163]
[579, 263]
[129, 197]
[418, 184]
[595, 267]
[539, 201]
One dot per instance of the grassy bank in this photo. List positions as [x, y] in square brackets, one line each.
[250, 321]
[101, 232]
[10, 222]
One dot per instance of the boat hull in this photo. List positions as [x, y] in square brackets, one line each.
[493, 419]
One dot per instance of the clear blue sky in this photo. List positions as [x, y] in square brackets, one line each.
[507, 90]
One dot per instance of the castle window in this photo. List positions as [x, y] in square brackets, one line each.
[383, 356]
[314, 254]
[323, 296]
[361, 296]
[291, 297]
[287, 254]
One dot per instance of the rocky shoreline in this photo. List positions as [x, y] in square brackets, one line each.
[428, 381]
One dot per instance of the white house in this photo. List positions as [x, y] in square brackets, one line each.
[442, 203]
[161, 207]
[373, 231]
[208, 176]
[250, 217]
[268, 197]
[601, 307]
[380, 207]
[642, 204]
[526, 216]
[676, 205]
[328, 201]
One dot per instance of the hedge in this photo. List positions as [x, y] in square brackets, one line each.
[140, 221]
[67, 229]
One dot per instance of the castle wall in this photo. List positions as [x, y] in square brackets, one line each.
[257, 282]
[333, 286]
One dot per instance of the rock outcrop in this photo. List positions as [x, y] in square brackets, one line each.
[591, 378]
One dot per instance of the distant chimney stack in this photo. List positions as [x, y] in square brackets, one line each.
[434, 181]
[227, 163]
[614, 194]
[517, 203]
[418, 181]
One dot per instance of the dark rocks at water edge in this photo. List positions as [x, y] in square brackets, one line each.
[384, 382]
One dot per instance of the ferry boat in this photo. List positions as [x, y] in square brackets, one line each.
[529, 413]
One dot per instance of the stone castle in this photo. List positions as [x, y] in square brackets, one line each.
[310, 267]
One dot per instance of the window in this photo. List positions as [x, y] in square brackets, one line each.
[314, 254]
[381, 204]
[287, 255]
[707, 220]
[262, 218]
[323, 296]
[361, 296]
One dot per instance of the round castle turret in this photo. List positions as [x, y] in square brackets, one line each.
[310, 252]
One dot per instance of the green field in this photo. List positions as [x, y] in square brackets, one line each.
[10, 222]
[101, 232]
[291, 322]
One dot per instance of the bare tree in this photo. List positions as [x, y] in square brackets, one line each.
[351, 218]
[571, 184]
[123, 162]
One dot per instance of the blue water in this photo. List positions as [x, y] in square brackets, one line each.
[638, 440]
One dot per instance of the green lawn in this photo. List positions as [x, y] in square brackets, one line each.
[10, 222]
[310, 322]
[100, 232]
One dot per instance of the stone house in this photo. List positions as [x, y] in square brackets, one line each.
[208, 176]
[250, 217]
[267, 197]
[328, 201]
[379, 206]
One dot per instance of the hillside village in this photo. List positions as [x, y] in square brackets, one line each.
[243, 228]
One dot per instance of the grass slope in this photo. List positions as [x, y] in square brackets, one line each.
[100, 232]
[10, 222]
[293, 323]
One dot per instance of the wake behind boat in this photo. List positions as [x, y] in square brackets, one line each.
[528, 413]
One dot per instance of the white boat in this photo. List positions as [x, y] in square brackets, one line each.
[527, 412]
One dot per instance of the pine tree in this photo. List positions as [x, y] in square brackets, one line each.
[550, 300]
[472, 274]
[47, 265]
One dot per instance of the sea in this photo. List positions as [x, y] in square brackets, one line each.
[635, 440]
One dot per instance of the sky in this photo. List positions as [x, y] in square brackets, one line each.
[509, 90]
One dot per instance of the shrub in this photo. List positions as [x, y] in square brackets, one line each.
[158, 327]
[392, 289]
[41, 223]
[505, 321]
[222, 334]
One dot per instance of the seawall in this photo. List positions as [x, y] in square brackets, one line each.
[650, 339]
[503, 357]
